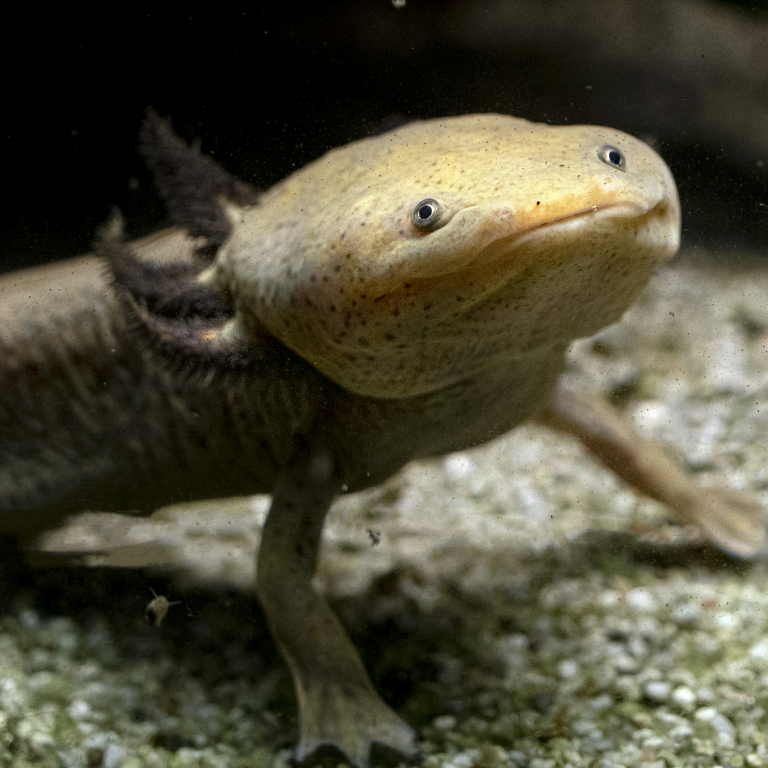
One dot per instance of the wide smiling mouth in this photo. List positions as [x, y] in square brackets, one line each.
[504, 245]
[622, 210]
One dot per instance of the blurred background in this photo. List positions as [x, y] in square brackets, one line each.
[269, 89]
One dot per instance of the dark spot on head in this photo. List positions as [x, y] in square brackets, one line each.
[395, 311]
[349, 256]
[337, 268]
[325, 278]
[389, 337]
[332, 307]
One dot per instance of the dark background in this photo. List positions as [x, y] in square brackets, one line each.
[269, 90]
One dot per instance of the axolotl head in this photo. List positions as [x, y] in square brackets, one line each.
[409, 261]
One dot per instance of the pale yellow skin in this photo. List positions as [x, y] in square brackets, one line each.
[396, 343]
[532, 216]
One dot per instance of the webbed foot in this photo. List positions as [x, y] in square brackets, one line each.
[731, 520]
[352, 721]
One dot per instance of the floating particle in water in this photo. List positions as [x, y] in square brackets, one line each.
[157, 608]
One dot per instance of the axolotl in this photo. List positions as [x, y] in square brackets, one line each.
[404, 296]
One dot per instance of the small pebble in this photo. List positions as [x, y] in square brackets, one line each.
[567, 669]
[602, 702]
[637, 647]
[759, 651]
[79, 710]
[114, 756]
[444, 722]
[625, 664]
[657, 690]
[640, 599]
[684, 697]
[727, 620]
[687, 613]
[681, 732]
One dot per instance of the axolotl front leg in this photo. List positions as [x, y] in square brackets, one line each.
[338, 705]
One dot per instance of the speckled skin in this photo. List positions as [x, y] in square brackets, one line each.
[376, 341]
[531, 216]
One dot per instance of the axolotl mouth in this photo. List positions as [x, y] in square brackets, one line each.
[660, 221]
[655, 228]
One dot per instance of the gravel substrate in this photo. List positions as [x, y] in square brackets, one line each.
[485, 612]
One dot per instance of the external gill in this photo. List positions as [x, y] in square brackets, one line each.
[171, 306]
[188, 322]
[191, 184]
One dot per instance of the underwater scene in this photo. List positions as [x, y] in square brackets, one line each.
[386, 383]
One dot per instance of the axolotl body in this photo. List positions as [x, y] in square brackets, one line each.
[407, 295]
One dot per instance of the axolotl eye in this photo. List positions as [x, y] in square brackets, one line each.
[427, 215]
[612, 156]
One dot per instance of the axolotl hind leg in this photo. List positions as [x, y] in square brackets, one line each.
[730, 519]
[338, 705]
